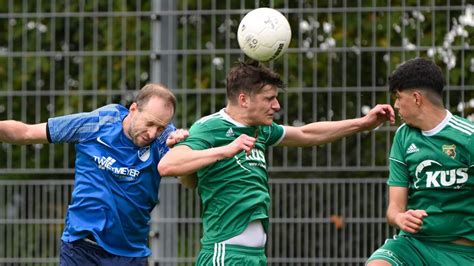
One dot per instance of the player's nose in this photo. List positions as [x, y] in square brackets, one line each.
[276, 105]
[395, 105]
[152, 132]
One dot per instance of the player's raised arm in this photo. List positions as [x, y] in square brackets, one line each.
[318, 133]
[182, 160]
[16, 132]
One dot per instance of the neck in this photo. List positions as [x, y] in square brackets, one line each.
[430, 118]
[238, 114]
[126, 126]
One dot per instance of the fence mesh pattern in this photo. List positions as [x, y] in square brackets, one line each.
[63, 57]
[313, 221]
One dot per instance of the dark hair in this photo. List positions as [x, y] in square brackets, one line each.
[417, 73]
[154, 90]
[250, 77]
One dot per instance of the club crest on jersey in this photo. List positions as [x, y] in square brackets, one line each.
[450, 150]
[144, 153]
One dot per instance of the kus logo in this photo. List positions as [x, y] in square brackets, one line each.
[256, 158]
[440, 178]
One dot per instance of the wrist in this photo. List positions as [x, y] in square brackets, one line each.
[393, 219]
[398, 219]
[363, 124]
[220, 153]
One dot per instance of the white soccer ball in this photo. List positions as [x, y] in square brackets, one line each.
[264, 34]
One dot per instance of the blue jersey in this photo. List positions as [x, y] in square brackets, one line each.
[116, 183]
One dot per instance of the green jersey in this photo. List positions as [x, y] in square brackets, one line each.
[233, 191]
[437, 167]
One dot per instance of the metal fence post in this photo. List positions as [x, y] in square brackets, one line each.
[163, 67]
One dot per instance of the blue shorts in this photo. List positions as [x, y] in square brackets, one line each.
[81, 252]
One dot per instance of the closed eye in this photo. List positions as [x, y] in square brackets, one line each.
[271, 98]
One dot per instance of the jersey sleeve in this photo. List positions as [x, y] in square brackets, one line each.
[200, 137]
[71, 128]
[273, 134]
[399, 175]
[161, 146]
[75, 128]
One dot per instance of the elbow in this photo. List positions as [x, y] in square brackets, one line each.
[165, 169]
[172, 169]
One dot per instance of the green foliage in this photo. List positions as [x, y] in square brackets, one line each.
[62, 57]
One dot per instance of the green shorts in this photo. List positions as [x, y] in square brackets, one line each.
[220, 254]
[405, 250]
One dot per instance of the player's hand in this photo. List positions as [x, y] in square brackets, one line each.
[411, 220]
[242, 143]
[176, 136]
[378, 115]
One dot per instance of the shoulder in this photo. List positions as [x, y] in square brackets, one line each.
[210, 119]
[274, 127]
[405, 136]
[161, 139]
[208, 122]
[404, 131]
[273, 134]
[105, 114]
[159, 145]
[461, 125]
[81, 126]
[402, 128]
[112, 112]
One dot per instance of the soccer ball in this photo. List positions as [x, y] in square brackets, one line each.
[264, 34]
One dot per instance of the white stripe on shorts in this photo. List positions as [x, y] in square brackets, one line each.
[219, 254]
[222, 253]
[215, 254]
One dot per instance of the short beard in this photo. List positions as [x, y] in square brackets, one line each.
[131, 133]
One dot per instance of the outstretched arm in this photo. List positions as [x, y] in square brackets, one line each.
[182, 160]
[397, 215]
[318, 133]
[16, 132]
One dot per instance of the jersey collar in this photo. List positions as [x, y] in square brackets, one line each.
[439, 127]
[229, 119]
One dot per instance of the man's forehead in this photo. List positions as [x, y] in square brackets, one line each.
[158, 118]
[158, 112]
[400, 92]
[269, 89]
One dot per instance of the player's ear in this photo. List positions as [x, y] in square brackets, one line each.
[417, 95]
[243, 100]
[133, 107]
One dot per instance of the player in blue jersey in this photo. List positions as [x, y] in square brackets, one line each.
[116, 177]
[431, 181]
